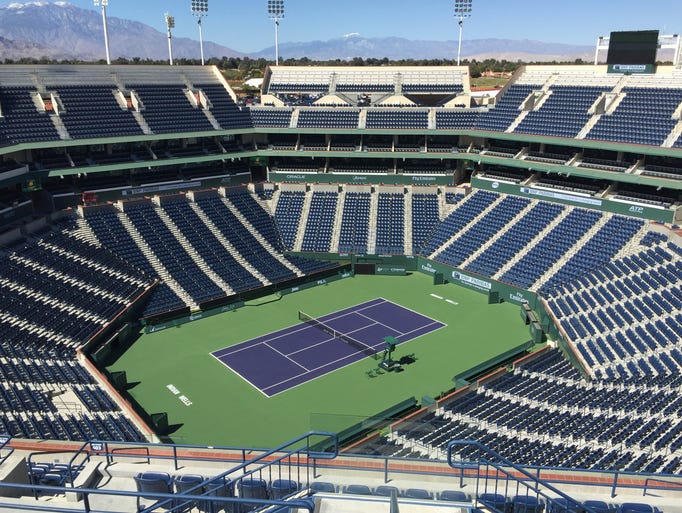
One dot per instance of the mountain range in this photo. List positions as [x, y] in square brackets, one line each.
[59, 30]
[354, 45]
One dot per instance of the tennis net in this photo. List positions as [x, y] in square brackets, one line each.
[367, 350]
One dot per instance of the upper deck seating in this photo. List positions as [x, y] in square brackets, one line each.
[92, 111]
[644, 116]
[224, 109]
[21, 121]
[167, 109]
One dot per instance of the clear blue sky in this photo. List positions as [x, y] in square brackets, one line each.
[244, 25]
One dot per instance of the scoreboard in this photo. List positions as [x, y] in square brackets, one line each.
[632, 52]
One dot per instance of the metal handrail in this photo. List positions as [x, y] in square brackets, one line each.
[264, 463]
[70, 464]
[501, 464]
[654, 479]
[166, 497]
[4, 441]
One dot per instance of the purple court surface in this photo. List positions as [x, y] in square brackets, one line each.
[287, 358]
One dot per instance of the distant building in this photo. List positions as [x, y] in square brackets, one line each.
[496, 74]
[254, 82]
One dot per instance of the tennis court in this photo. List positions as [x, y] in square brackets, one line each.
[281, 360]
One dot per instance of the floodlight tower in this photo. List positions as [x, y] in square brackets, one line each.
[462, 10]
[170, 24]
[200, 9]
[276, 13]
[104, 4]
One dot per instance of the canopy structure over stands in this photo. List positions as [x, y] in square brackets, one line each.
[375, 80]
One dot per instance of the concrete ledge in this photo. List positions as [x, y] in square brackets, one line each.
[86, 479]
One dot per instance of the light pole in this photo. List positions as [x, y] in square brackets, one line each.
[104, 4]
[462, 10]
[200, 9]
[276, 12]
[170, 24]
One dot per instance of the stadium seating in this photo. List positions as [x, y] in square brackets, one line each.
[644, 116]
[485, 228]
[244, 241]
[425, 217]
[555, 243]
[169, 251]
[283, 80]
[22, 121]
[506, 110]
[542, 413]
[92, 111]
[168, 110]
[453, 119]
[620, 313]
[57, 293]
[270, 118]
[207, 249]
[397, 119]
[563, 114]
[490, 261]
[208, 246]
[613, 292]
[320, 221]
[355, 223]
[288, 214]
[324, 118]
[105, 223]
[390, 224]
[224, 109]
[465, 212]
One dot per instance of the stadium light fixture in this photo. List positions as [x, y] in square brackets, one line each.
[170, 24]
[462, 10]
[276, 13]
[104, 4]
[199, 10]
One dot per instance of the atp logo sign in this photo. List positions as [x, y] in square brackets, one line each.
[636, 210]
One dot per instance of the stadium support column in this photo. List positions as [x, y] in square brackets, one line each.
[596, 50]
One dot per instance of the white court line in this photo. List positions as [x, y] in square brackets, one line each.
[331, 337]
[377, 322]
[344, 358]
[451, 302]
[329, 363]
[436, 296]
[422, 327]
[242, 377]
[414, 311]
[351, 355]
[285, 356]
